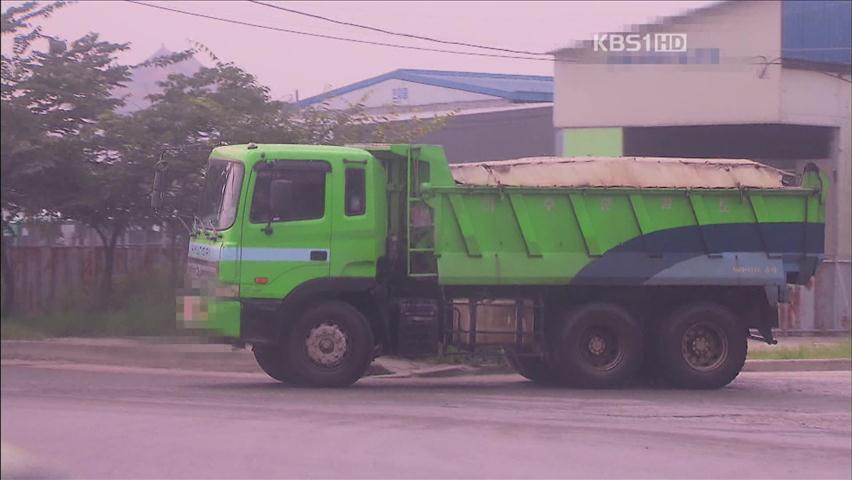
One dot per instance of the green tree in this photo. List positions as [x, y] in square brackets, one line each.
[70, 90]
[218, 105]
[61, 155]
[67, 153]
[25, 150]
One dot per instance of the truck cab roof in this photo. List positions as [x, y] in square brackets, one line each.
[251, 153]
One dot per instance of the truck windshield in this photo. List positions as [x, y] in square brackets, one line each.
[221, 194]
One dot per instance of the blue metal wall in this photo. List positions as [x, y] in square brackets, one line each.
[817, 31]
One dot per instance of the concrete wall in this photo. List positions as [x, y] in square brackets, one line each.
[740, 89]
[500, 135]
[816, 98]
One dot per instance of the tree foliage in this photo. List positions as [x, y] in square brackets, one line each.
[66, 152]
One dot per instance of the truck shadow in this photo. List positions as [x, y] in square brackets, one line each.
[505, 383]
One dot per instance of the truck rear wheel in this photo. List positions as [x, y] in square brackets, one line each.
[598, 345]
[701, 346]
[330, 345]
[273, 362]
[532, 368]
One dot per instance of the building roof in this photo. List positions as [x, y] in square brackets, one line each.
[456, 112]
[144, 81]
[516, 88]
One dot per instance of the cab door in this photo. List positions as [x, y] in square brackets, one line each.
[359, 220]
[287, 239]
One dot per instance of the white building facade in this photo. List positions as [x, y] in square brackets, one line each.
[766, 80]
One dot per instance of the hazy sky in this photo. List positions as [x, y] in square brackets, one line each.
[287, 62]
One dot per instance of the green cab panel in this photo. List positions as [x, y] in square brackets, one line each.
[333, 224]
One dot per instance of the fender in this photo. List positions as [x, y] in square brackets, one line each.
[263, 321]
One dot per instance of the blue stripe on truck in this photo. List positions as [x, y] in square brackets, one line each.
[273, 254]
[745, 254]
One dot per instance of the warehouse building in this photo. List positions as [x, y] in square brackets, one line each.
[766, 80]
[492, 116]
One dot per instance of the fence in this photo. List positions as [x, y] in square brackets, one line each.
[47, 278]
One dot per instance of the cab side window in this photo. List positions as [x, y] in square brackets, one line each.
[307, 201]
[356, 192]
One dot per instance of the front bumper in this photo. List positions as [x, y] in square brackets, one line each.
[219, 316]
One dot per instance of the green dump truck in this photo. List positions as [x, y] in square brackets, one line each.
[585, 271]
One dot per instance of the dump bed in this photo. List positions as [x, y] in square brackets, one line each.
[630, 172]
[625, 221]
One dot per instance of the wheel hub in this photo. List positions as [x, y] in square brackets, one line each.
[600, 348]
[597, 345]
[704, 347]
[701, 345]
[326, 345]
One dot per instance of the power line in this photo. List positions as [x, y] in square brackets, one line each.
[332, 37]
[399, 34]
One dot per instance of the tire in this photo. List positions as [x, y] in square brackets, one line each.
[330, 345]
[701, 346]
[273, 362]
[598, 345]
[532, 368]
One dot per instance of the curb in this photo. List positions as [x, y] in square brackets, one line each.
[442, 371]
[128, 353]
[145, 354]
[194, 355]
[800, 365]
[17, 463]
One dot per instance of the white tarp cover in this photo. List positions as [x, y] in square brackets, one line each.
[636, 172]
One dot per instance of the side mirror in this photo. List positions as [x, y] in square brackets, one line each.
[280, 196]
[157, 189]
[280, 200]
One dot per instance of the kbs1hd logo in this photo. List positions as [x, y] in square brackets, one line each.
[640, 42]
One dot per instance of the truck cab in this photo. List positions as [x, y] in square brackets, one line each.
[278, 217]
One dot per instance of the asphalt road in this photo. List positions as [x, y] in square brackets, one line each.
[117, 422]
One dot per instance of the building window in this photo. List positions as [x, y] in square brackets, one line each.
[697, 56]
[399, 94]
[356, 192]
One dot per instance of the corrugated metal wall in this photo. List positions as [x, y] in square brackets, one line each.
[496, 135]
[817, 31]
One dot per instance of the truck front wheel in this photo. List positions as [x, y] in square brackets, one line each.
[330, 345]
[532, 368]
[597, 345]
[701, 346]
[273, 362]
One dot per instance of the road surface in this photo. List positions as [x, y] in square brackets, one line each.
[118, 422]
